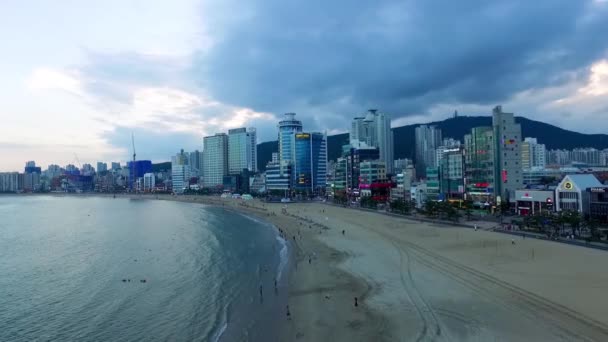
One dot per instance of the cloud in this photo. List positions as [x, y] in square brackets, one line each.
[51, 79]
[405, 57]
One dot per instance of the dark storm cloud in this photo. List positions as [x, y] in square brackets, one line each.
[337, 56]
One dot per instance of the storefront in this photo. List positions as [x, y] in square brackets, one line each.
[569, 192]
[597, 199]
[530, 202]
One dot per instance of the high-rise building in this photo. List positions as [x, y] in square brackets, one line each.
[309, 162]
[479, 164]
[87, 170]
[215, 160]
[180, 171]
[401, 164]
[428, 139]
[287, 128]
[452, 173]
[115, 166]
[30, 167]
[11, 182]
[195, 160]
[507, 161]
[102, 167]
[31, 177]
[53, 171]
[242, 150]
[533, 154]
[149, 182]
[374, 129]
[137, 169]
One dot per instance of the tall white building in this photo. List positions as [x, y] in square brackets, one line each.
[180, 172]
[428, 139]
[533, 154]
[242, 150]
[215, 159]
[374, 129]
[149, 182]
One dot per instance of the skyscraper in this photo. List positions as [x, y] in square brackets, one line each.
[428, 139]
[374, 129]
[242, 150]
[287, 127]
[309, 162]
[215, 159]
[507, 161]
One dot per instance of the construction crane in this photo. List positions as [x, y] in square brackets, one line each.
[133, 143]
[78, 163]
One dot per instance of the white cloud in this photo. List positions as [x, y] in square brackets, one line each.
[51, 79]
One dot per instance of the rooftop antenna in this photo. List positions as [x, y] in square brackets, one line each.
[133, 163]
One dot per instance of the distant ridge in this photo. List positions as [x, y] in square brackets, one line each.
[553, 137]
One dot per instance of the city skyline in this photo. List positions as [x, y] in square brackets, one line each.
[175, 72]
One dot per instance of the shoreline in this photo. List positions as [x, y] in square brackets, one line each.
[320, 293]
[426, 281]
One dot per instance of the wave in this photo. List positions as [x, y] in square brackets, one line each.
[283, 256]
[218, 335]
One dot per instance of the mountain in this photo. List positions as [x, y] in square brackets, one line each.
[553, 137]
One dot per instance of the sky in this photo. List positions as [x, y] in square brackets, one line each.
[77, 78]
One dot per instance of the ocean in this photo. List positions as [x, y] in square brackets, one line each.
[104, 269]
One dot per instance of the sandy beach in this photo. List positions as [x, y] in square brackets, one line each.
[418, 281]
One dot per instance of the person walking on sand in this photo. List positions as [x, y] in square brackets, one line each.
[288, 314]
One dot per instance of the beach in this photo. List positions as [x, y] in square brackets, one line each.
[425, 281]
[419, 281]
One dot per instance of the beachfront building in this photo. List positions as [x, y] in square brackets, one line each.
[507, 161]
[180, 172]
[215, 160]
[370, 172]
[479, 164]
[428, 139]
[531, 202]
[355, 154]
[287, 128]
[452, 173]
[149, 182]
[433, 186]
[11, 182]
[597, 203]
[242, 149]
[309, 162]
[278, 178]
[374, 130]
[570, 193]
